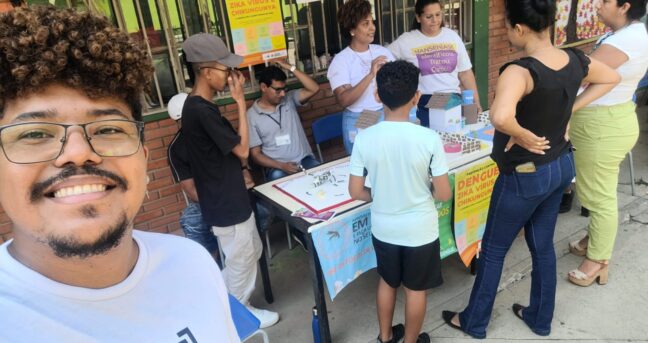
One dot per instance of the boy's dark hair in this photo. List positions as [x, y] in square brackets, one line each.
[419, 7]
[637, 8]
[43, 45]
[270, 74]
[397, 83]
[350, 14]
[538, 15]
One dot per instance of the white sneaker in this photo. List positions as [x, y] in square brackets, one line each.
[267, 318]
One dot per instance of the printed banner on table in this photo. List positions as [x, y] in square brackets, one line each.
[444, 211]
[473, 188]
[257, 30]
[344, 248]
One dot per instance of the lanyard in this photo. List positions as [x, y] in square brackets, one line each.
[275, 120]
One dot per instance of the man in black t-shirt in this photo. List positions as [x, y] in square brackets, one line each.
[217, 153]
[191, 220]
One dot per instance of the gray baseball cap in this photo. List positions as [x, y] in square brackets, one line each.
[205, 47]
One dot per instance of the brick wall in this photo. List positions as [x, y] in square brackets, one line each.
[161, 210]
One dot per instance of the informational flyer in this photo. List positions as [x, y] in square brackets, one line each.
[320, 191]
[473, 188]
[257, 30]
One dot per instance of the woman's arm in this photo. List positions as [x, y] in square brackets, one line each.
[467, 79]
[601, 79]
[346, 95]
[514, 83]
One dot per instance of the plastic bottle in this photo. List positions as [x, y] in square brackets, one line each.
[316, 330]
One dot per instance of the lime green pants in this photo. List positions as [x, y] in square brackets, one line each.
[602, 136]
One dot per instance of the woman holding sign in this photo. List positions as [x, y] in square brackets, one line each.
[439, 53]
[353, 71]
[534, 99]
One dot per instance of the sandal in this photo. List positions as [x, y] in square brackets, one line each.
[579, 247]
[577, 277]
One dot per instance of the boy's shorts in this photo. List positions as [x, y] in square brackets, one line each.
[417, 268]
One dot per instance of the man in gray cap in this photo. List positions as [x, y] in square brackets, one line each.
[217, 153]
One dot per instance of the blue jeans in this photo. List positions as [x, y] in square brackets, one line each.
[194, 228]
[264, 217]
[528, 200]
[307, 162]
[349, 131]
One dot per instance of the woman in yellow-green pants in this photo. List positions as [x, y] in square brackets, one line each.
[604, 132]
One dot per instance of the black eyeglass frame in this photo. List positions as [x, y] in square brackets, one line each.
[138, 124]
[280, 89]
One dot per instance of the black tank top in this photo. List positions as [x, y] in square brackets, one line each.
[545, 111]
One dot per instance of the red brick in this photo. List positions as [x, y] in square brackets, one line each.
[160, 203]
[173, 189]
[154, 143]
[160, 132]
[158, 153]
[163, 221]
[146, 216]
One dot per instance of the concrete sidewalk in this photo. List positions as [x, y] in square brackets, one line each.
[615, 312]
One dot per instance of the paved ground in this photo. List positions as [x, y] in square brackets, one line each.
[615, 312]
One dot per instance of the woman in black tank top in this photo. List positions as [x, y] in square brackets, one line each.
[534, 99]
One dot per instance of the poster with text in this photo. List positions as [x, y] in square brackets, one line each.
[473, 188]
[344, 248]
[257, 30]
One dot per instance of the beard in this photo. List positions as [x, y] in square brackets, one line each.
[69, 247]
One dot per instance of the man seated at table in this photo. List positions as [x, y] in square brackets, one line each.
[277, 139]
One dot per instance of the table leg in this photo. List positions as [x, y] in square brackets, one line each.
[265, 275]
[318, 289]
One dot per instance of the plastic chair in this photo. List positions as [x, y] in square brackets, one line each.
[325, 129]
[247, 325]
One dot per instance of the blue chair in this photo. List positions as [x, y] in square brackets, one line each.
[247, 325]
[325, 129]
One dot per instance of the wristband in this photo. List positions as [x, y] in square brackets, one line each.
[292, 69]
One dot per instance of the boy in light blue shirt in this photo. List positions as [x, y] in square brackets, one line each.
[406, 166]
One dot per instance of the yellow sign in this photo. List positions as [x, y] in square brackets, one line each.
[473, 188]
[257, 30]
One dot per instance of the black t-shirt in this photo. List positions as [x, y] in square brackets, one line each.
[545, 111]
[209, 139]
[178, 158]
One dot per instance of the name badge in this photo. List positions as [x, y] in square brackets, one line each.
[282, 140]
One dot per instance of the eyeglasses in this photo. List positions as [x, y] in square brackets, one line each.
[226, 70]
[35, 142]
[279, 89]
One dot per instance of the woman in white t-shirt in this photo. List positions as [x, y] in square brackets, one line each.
[352, 72]
[439, 53]
[604, 132]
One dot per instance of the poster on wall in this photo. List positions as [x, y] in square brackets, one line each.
[257, 30]
[576, 20]
[473, 188]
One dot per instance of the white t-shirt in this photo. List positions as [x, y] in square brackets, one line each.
[350, 67]
[398, 157]
[440, 59]
[175, 293]
[632, 41]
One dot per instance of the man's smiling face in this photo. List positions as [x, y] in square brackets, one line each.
[79, 204]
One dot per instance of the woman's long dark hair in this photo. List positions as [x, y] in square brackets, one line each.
[538, 15]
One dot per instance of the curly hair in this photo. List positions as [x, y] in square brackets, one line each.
[43, 45]
[397, 83]
[350, 14]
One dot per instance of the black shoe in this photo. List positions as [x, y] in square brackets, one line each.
[584, 212]
[566, 202]
[398, 332]
[517, 310]
[423, 338]
[447, 318]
